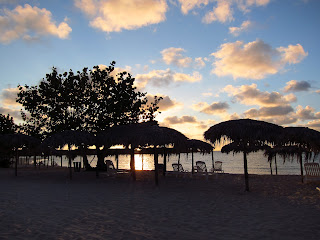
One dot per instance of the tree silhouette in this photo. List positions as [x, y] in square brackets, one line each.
[91, 100]
[6, 124]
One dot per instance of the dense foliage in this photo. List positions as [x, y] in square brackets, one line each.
[91, 100]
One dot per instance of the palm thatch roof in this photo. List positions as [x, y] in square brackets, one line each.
[69, 137]
[243, 130]
[302, 137]
[142, 135]
[17, 140]
[237, 147]
[199, 146]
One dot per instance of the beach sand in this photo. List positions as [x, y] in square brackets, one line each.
[46, 204]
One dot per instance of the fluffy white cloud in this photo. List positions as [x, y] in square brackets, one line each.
[30, 23]
[213, 108]
[235, 31]
[8, 97]
[292, 54]
[116, 15]
[177, 120]
[15, 113]
[268, 111]
[251, 95]
[297, 86]
[307, 113]
[176, 57]
[187, 5]
[165, 77]
[254, 60]
[166, 103]
[245, 5]
[223, 10]
[222, 13]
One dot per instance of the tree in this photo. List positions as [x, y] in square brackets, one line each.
[91, 101]
[6, 124]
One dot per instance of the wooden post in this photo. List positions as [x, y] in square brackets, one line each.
[132, 164]
[70, 167]
[16, 163]
[156, 177]
[275, 163]
[212, 158]
[117, 161]
[246, 176]
[301, 168]
[142, 161]
[61, 159]
[192, 162]
[164, 161]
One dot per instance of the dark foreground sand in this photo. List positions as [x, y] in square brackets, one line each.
[45, 204]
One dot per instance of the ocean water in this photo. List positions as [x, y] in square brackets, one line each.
[231, 163]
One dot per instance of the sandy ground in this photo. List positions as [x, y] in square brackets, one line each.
[46, 204]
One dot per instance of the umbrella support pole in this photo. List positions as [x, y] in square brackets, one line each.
[246, 175]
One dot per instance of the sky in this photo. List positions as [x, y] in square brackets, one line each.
[210, 60]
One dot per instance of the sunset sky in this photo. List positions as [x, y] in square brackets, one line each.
[211, 60]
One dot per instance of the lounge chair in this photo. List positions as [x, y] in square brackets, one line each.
[218, 167]
[110, 169]
[178, 170]
[312, 171]
[201, 169]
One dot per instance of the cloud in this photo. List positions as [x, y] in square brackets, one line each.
[187, 5]
[175, 56]
[292, 54]
[222, 13]
[235, 31]
[307, 113]
[245, 5]
[213, 108]
[177, 120]
[166, 102]
[254, 60]
[15, 113]
[117, 15]
[30, 23]
[297, 86]
[8, 97]
[315, 124]
[268, 111]
[251, 95]
[160, 78]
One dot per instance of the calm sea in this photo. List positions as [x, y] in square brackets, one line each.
[257, 162]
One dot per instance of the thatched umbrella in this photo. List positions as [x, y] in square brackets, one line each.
[14, 141]
[195, 145]
[247, 135]
[304, 140]
[145, 134]
[69, 138]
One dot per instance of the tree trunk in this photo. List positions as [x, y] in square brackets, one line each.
[61, 160]
[164, 162]
[70, 167]
[246, 175]
[192, 162]
[271, 166]
[156, 177]
[16, 164]
[100, 156]
[275, 163]
[35, 160]
[117, 161]
[212, 161]
[301, 168]
[85, 158]
[132, 164]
